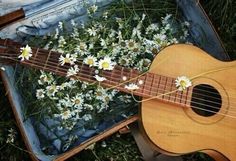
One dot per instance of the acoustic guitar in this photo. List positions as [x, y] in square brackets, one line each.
[199, 118]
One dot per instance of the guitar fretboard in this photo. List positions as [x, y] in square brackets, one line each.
[150, 84]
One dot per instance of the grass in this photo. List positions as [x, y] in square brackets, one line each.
[116, 147]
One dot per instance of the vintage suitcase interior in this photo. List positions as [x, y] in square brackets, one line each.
[204, 36]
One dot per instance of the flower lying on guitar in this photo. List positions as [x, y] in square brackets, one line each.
[182, 83]
[25, 53]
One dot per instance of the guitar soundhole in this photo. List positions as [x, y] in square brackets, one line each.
[206, 100]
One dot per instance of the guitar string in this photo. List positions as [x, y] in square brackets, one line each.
[195, 107]
[183, 104]
[171, 85]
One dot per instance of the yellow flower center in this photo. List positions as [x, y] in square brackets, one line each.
[66, 113]
[131, 44]
[67, 60]
[77, 101]
[183, 83]
[90, 61]
[107, 99]
[105, 65]
[99, 93]
[82, 47]
[25, 53]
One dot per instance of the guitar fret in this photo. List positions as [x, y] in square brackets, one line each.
[57, 67]
[173, 94]
[151, 83]
[188, 99]
[146, 84]
[163, 86]
[167, 90]
[158, 85]
[5, 42]
[45, 64]
[154, 84]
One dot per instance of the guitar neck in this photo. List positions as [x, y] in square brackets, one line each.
[150, 85]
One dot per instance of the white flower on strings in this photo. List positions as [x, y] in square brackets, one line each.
[72, 71]
[40, 93]
[131, 86]
[182, 83]
[68, 59]
[91, 61]
[25, 53]
[100, 79]
[106, 64]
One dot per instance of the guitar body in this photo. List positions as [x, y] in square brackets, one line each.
[178, 130]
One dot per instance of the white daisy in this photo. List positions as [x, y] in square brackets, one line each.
[92, 9]
[61, 42]
[103, 43]
[77, 100]
[60, 25]
[182, 83]
[131, 44]
[105, 15]
[131, 86]
[106, 64]
[68, 59]
[87, 117]
[44, 78]
[82, 48]
[52, 89]
[72, 71]
[25, 53]
[66, 101]
[40, 93]
[91, 61]
[100, 93]
[159, 37]
[99, 79]
[92, 31]
[66, 114]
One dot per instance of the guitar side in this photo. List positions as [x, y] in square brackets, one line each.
[177, 130]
